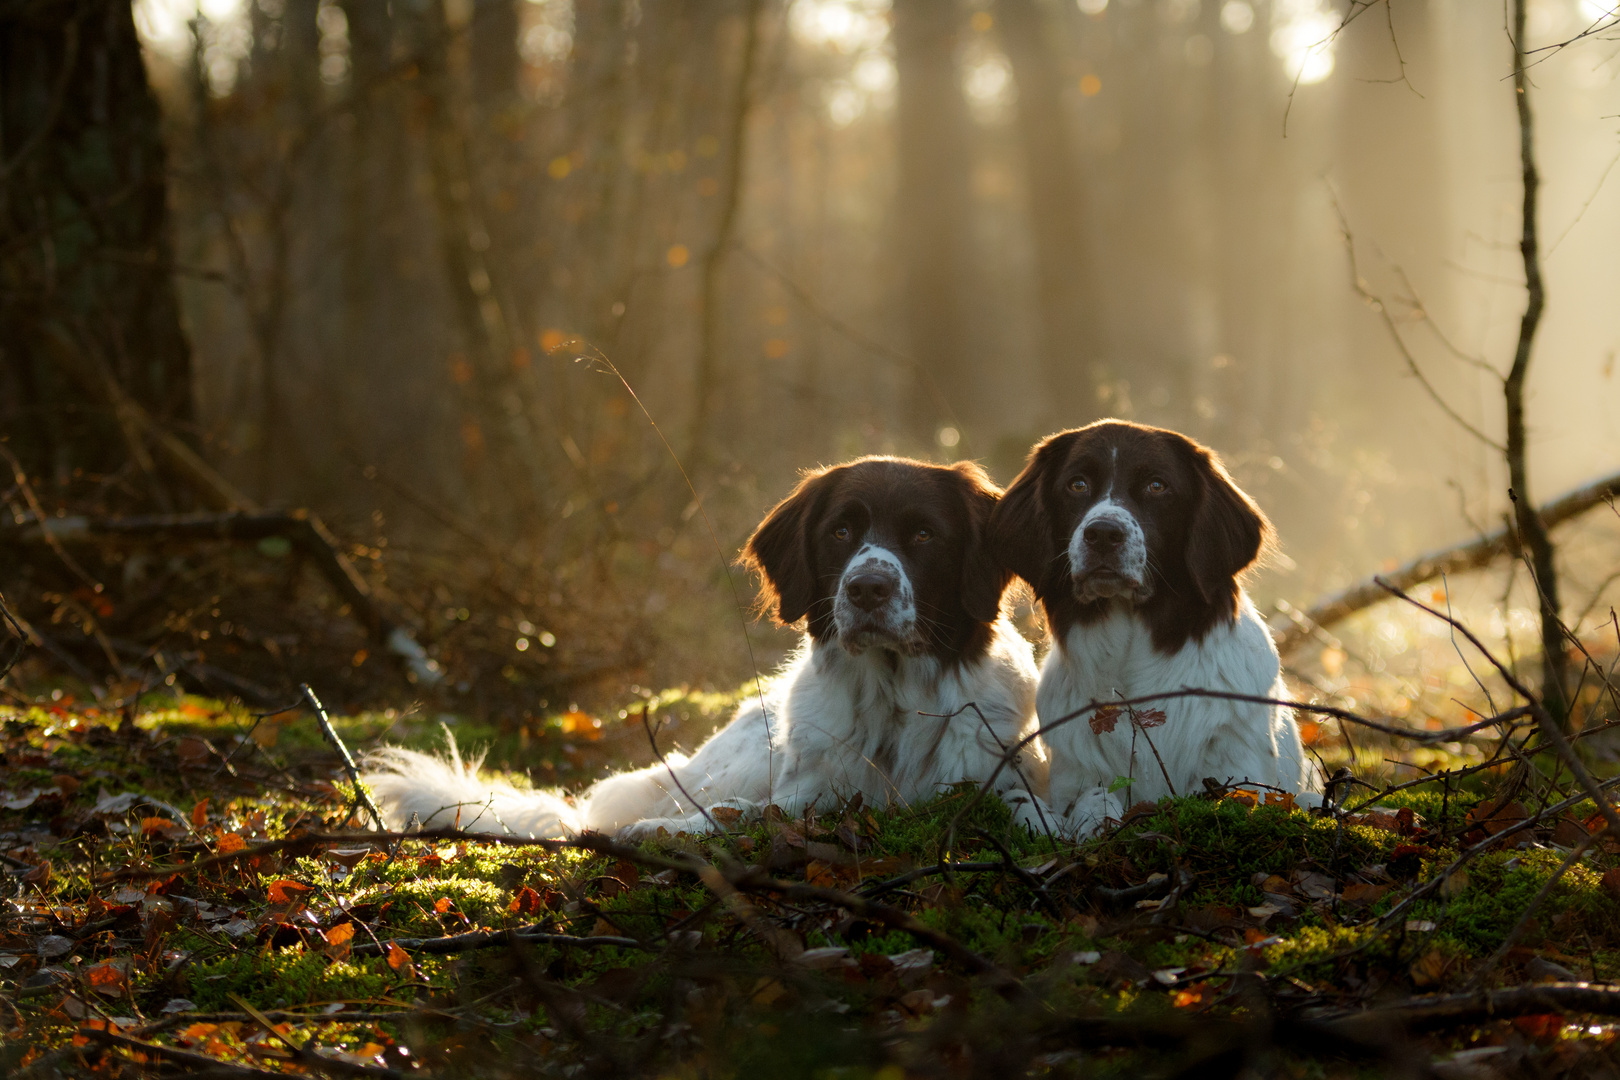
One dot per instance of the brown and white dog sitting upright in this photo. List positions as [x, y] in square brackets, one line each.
[885, 561]
[1133, 539]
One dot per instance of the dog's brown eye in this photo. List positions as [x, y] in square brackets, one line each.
[1079, 486]
[922, 536]
[1157, 487]
[841, 533]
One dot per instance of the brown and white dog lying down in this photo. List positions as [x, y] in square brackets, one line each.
[886, 561]
[1133, 539]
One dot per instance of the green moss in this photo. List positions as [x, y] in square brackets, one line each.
[286, 977]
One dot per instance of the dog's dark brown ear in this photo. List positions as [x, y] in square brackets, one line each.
[1228, 530]
[780, 551]
[984, 579]
[1020, 540]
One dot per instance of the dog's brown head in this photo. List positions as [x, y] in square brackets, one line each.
[885, 553]
[1116, 512]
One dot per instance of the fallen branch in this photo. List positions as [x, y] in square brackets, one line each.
[1474, 555]
[490, 939]
[298, 527]
[1449, 1010]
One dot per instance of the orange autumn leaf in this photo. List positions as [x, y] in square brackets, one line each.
[199, 1031]
[340, 933]
[1310, 732]
[199, 814]
[1284, 799]
[582, 725]
[1194, 995]
[156, 826]
[1105, 719]
[1247, 798]
[280, 891]
[105, 978]
[441, 905]
[230, 843]
[400, 960]
[526, 902]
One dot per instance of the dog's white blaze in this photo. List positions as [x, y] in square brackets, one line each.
[1132, 555]
[899, 615]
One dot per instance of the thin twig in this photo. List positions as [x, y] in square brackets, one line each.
[652, 741]
[362, 796]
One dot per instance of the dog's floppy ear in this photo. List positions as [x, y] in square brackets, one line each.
[1228, 530]
[1020, 539]
[984, 579]
[780, 551]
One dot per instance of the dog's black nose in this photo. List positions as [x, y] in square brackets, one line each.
[1104, 536]
[869, 591]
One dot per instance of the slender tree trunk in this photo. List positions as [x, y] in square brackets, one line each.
[1532, 530]
[1066, 298]
[935, 206]
[710, 373]
[87, 296]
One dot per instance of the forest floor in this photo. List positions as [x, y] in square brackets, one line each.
[191, 893]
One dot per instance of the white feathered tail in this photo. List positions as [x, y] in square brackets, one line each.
[443, 792]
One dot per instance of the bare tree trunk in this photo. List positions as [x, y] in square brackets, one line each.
[1067, 299]
[700, 448]
[500, 449]
[1532, 531]
[86, 257]
[935, 205]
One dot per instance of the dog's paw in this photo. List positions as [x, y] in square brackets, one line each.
[1029, 811]
[1090, 812]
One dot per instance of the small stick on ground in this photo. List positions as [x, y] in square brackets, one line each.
[361, 795]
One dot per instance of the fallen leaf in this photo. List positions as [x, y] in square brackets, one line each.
[1244, 797]
[726, 815]
[913, 964]
[1146, 718]
[1190, 997]
[831, 956]
[66, 784]
[1085, 956]
[1314, 886]
[1455, 884]
[1430, 968]
[107, 978]
[40, 875]
[441, 905]
[767, 990]
[526, 902]
[915, 1003]
[820, 874]
[400, 961]
[285, 890]
[1540, 1027]
[230, 843]
[158, 826]
[340, 933]
[199, 814]
[1568, 833]
[1361, 894]
[1284, 799]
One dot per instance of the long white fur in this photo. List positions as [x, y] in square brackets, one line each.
[839, 724]
[1233, 741]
